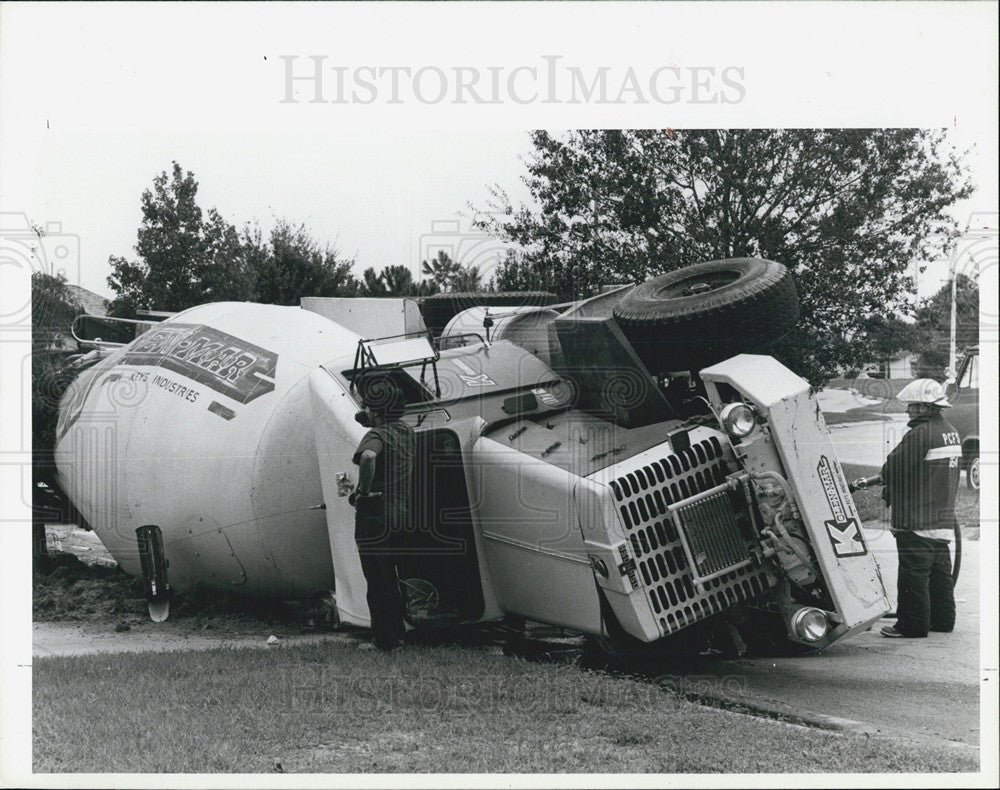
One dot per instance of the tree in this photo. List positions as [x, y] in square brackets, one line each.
[228, 265]
[934, 319]
[372, 283]
[467, 279]
[394, 281]
[399, 281]
[295, 266]
[183, 259]
[53, 308]
[888, 336]
[847, 210]
[441, 270]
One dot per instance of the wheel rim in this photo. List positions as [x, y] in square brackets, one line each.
[974, 474]
[697, 284]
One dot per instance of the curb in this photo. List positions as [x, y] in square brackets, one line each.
[821, 721]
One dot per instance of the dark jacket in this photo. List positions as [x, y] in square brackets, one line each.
[921, 475]
[394, 445]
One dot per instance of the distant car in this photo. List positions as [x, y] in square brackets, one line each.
[964, 413]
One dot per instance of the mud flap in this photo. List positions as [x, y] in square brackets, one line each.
[153, 560]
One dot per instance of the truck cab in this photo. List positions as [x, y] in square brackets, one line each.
[963, 394]
[587, 494]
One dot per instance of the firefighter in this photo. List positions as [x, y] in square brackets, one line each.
[921, 478]
[385, 459]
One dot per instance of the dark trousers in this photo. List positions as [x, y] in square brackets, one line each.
[926, 591]
[378, 539]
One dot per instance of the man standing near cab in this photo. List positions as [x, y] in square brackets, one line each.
[921, 479]
[385, 459]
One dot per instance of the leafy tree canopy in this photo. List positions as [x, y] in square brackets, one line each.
[186, 257]
[441, 273]
[934, 323]
[53, 308]
[395, 281]
[441, 270]
[293, 265]
[847, 210]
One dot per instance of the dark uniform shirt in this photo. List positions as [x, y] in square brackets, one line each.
[921, 478]
[394, 445]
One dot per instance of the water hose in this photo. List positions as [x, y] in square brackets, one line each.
[956, 566]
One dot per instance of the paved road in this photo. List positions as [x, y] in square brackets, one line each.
[910, 689]
[80, 639]
[867, 443]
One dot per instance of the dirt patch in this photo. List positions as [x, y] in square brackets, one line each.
[68, 590]
[65, 588]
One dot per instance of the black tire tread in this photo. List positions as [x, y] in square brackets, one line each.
[695, 331]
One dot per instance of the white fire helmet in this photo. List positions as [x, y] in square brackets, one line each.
[924, 391]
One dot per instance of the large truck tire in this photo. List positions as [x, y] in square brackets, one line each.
[701, 314]
[439, 309]
[972, 474]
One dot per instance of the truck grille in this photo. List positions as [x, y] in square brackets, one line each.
[713, 543]
[644, 495]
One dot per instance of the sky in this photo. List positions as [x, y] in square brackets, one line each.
[96, 99]
[381, 197]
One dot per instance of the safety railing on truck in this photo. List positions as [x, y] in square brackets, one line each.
[85, 327]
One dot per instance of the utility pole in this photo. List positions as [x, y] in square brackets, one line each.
[952, 351]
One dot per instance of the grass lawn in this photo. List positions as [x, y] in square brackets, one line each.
[333, 708]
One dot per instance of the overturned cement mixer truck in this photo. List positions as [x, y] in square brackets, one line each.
[617, 466]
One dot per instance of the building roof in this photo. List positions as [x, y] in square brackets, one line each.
[92, 303]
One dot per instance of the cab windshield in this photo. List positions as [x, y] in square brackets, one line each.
[465, 373]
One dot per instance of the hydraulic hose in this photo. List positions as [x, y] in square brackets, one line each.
[780, 527]
[956, 566]
[784, 485]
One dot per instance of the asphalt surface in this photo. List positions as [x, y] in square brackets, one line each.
[867, 443]
[915, 690]
[76, 639]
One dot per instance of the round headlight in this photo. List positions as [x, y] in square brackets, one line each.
[810, 624]
[738, 419]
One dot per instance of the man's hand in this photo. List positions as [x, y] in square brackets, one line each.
[352, 500]
[864, 483]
